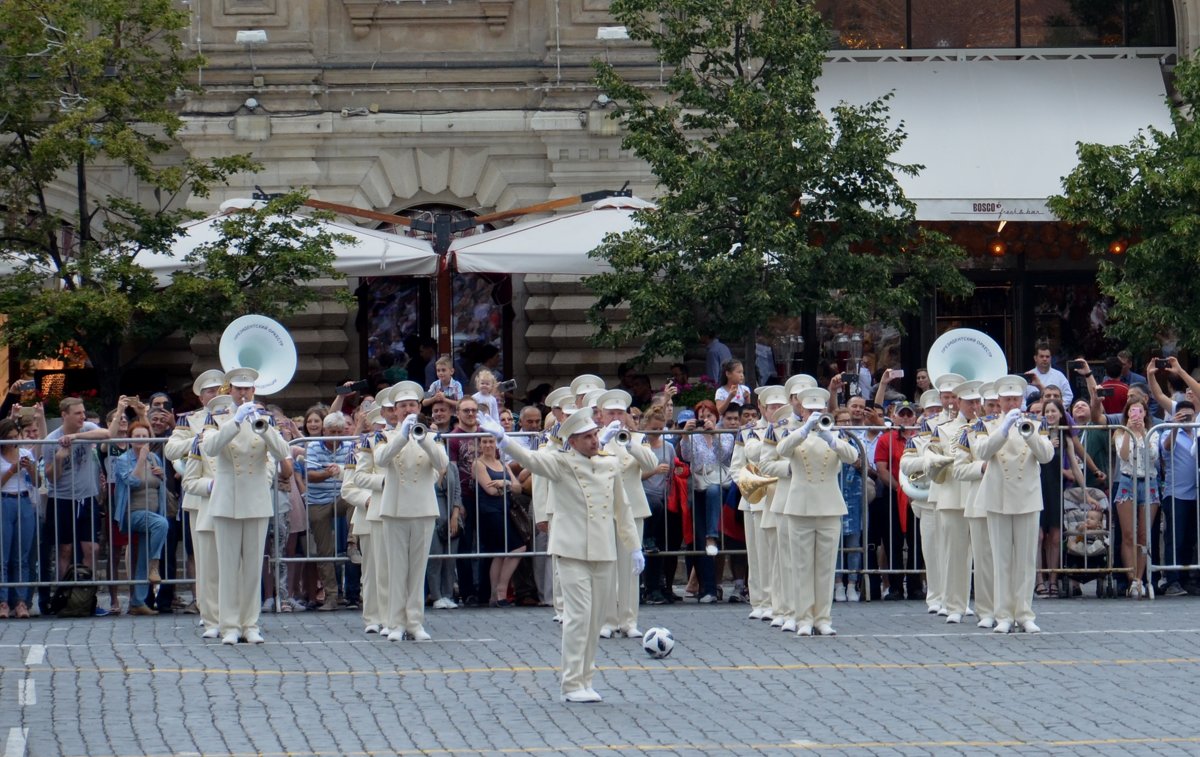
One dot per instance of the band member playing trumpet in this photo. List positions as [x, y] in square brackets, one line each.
[747, 452]
[247, 448]
[968, 471]
[199, 473]
[1012, 447]
[412, 461]
[363, 489]
[814, 509]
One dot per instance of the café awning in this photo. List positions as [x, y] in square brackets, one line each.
[997, 137]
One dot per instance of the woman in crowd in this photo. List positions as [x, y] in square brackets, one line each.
[18, 521]
[1061, 472]
[314, 420]
[1137, 463]
[845, 587]
[139, 511]
[660, 533]
[440, 573]
[923, 384]
[293, 488]
[709, 455]
[497, 531]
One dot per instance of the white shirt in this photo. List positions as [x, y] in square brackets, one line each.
[1057, 378]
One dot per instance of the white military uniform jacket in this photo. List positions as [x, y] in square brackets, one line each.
[367, 475]
[353, 491]
[747, 449]
[968, 471]
[179, 448]
[199, 476]
[411, 470]
[244, 471]
[541, 491]
[590, 511]
[913, 463]
[947, 495]
[771, 464]
[636, 459]
[1012, 483]
[813, 489]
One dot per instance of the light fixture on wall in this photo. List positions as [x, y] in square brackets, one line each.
[250, 39]
[1117, 247]
[997, 247]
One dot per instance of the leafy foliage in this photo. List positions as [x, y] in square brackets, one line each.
[91, 177]
[1145, 194]
[767, 207]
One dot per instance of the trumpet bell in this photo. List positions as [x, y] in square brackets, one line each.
[418, 432]
[1027, 428]
[261, 343]
[825, 422]
[971, 354]
[752, 485]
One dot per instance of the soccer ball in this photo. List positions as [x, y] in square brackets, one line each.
[658, 643]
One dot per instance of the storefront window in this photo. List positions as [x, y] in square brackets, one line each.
[478, 312]
[963, 23]
[393, 328]
[865, 24]
[989, 309]
[1074, 318]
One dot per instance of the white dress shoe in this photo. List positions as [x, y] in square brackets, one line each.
[777, 621]
[633, 633]
[581, 696]
[804, 630]
[768, 615]
[1030, 627]
[839, 593]
[396, 636]
[943, 612]
[755, 614]
[606, 632]
[933, 609]
[593, 692]
[852, 594]
[254, 636]
[1002, 627]
[557, 618]
[986, 622]
[789, 626]
[373, 628]
[210, 633]
[953, 618]
[826, 630]
[420, 635]
[970, 613]
[230, 637]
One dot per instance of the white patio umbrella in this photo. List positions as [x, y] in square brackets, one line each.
[558, 244]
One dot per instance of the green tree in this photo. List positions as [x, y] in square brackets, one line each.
[766, 206]
[91, 177]
[1145, 195]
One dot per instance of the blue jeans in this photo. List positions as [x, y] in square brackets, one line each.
[18, 526]
[850, 557]
[151, 531]
[706, 517]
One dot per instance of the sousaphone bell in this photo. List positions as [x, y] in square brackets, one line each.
[752, 484]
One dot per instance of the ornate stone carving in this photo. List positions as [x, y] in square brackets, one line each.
[365, 14]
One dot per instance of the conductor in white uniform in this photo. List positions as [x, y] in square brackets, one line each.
[590, 514]
[241, 503]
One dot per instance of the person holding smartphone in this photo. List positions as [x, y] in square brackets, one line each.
[1137, 487]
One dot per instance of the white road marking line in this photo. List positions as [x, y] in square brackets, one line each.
[14, 745]
[27, 693]
[371, 641]
[37, 654]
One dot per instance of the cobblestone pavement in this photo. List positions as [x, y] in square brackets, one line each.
[1105, 676]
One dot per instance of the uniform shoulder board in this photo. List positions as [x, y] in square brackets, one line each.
[380, 436]
[209, 421]
[195, 453]
[978, 427]
[351, 462]
[963, 439]
[924, 426]
[910, 444]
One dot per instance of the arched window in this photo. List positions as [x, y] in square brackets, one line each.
[922, 24]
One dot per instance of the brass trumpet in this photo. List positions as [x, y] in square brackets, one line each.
[418, 432]
[261, 423]
[623, 437]
[825, 422]
[1027, 427]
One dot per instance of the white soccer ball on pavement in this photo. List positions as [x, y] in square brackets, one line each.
[658, 642]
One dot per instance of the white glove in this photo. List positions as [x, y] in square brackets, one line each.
[827, 436]
[639, 562]
[244, 411]
[1010, 419]
[406, 426]
[812, 421]
[492, 426]
[610, 431]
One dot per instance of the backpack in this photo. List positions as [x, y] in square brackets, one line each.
[74, 598]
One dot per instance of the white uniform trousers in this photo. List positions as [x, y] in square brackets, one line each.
[204, 551]
[555, 581]
[785, 602]
[543, 568]
[954, 545]
[753, 577]
[407, 542]
[985, 575]
[814, 546]
[935, 582]
[380, 579]
[371, 610]
[240, 547]
[770, 569]
[622, 606]
[1014, 555]
[583, 584]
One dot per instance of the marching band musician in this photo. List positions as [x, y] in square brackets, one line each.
[954, 542]
[369, 476]
[748, 451]
[590, 513]
[968, 471]
[1012, 446]
[636, 460]
[177, 450]
[363, 488]
[814, 510]
[583, 386]
[913, 464]
[783, 579]
[197, 484]
[412, 461]
[561, 403]
[242, 502]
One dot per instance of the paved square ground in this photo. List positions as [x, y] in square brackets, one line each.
[1106, 676]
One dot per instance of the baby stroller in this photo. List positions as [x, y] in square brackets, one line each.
[1087, 542]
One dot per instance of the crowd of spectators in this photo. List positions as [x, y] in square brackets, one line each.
[1121, 486]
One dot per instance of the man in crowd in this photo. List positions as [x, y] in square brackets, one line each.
[325, 463]
[1044, 375]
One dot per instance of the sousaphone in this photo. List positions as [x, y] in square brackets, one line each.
[971, 354]
[261, 343]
